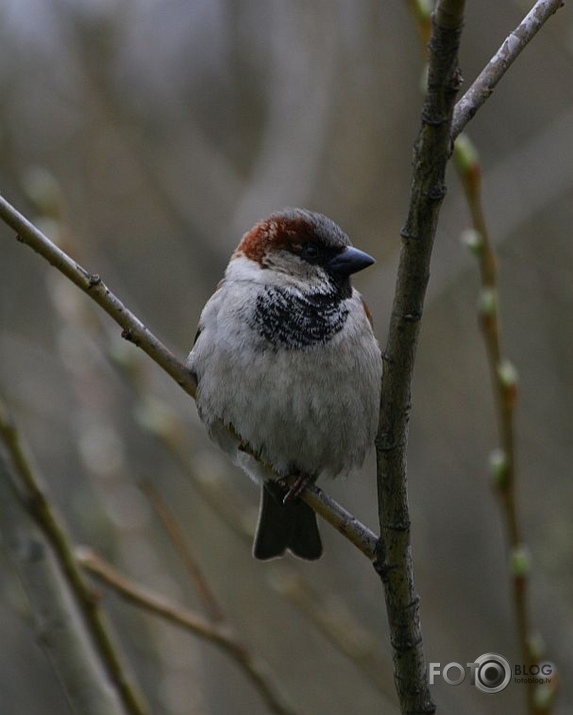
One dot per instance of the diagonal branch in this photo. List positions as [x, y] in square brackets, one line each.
[217, 633]
[133, 329]
[511, 48]
[51, 525]
[58, 626]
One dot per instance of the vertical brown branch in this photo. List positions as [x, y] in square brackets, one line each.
[394, 557]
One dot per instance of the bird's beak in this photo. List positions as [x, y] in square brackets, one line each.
[349, 261]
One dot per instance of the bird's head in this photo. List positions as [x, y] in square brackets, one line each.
[302, 249]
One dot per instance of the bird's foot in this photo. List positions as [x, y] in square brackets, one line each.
[296, 488]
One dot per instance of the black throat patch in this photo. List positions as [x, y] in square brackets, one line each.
[293, 320]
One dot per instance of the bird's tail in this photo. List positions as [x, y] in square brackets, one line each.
[283, 526]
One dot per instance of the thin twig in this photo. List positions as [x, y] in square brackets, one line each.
[504, 383]
[326, 612]
[218, 634]
[343, 521]
[192, 567]
[394, 561]
[509, 51]
[51, 524]
[90, 283]
[58, 626]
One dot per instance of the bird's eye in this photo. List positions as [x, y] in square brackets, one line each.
[310, 251]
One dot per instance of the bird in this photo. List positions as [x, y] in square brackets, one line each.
[288, 369]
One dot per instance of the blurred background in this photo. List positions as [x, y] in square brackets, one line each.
[146, 137]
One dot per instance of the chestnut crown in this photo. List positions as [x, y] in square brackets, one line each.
[300, 242]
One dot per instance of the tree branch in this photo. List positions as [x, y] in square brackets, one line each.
[50, 523]
[512, 46]
[216, 633]
[394, 558]
[91, 284]
[58, 626]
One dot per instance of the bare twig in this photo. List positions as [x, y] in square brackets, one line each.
[326, 612]
[394, 558]
[172, 529]
[512, 46]
[504, 383]
[58, 625]
[218, 634]
[49, 521]
[92, 285]
[361, 536]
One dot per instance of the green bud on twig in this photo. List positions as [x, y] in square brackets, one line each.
[473, 240]
[487, 302]
[423, 9]
[543, 697]
[466, 155]
[499, 467]
[507, 373]
[536, 646]
[520, 561]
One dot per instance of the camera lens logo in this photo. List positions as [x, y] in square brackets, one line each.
[492, 673]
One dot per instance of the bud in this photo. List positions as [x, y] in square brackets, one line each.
[423, 9]
[507, 375]
[487, 302]
[536, 646]
[499, 467]
[520, 561]
[466, 159]
[544, 695]
[473, 241]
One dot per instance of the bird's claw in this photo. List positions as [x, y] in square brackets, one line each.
[296, 488]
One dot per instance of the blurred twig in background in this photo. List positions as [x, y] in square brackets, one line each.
[503, 460]
[219, 633]
[38, 504]
[57, 622]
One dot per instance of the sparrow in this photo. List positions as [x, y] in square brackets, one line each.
[288, 370]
